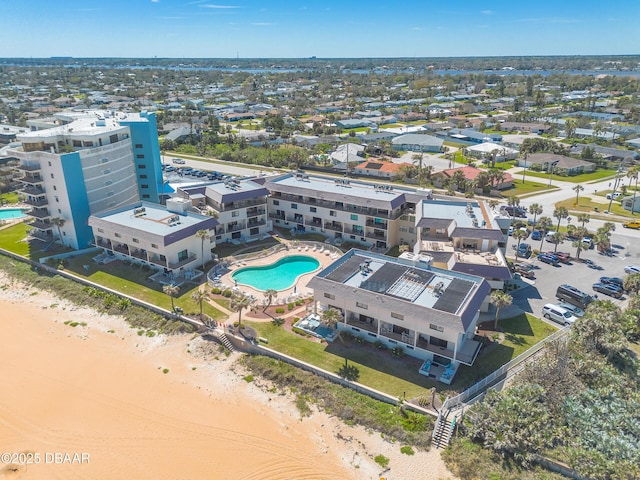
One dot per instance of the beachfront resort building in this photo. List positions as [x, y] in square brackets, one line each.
[95, 162]
[428, 312]
[163, 237]
[240, 206]
[372, 215]
[463, 236]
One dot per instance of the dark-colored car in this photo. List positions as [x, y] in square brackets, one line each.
[547, 258]
[524, 250]
[608, 289]
[563, 257]
[536, 235]
[617, 281]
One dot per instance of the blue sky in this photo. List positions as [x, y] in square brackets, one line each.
[302, 28]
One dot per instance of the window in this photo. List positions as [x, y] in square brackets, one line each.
[142, 166]
[436, 327]
[329, 296]
[77, 143]
[153, 245]
[60, 211]
[55, 188]
[332, 213]
[144, 185]
[294, 206]
[140, 155]
[276, 202]
[138, 145]
[313, 209]
[107, 183]
[49, 163]
[354, 217]
[104, 160]
[100, 230]
[117, 235]
[146, 195]
[110, 194]
[135, 240]
[143, 176]
[113, 138]
[182, 255]
[105, 171]
[57, 199]
[235, 213]
[52, 175]
[397, 316]
[363, 306]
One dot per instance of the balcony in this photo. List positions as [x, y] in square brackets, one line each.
[40, 225]
[103, 243]
[377, 234]
[122, 248]
[356, 231]
[142, 254]
[335, 226]
[40, 213]
[404, 337]
[235, 228]
[31, 180]
[438, 350]
[279, 216]
[183, 262]
[36, 202]
[314, 223]
[29, 167]
[254, 212]
[30, 190]
[372, 223]
[354, 321]
[156, 260]
[256, 223]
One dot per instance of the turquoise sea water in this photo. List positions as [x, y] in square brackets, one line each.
[10, 213]
[279, 275]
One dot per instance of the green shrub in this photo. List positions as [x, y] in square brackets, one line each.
[290, 306]
[279, 310]
[382, 461]
[165, 370]
[248, 378]
[227, 293]
[407, 450]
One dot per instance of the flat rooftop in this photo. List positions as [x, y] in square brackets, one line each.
[414, 282]
[463, 212]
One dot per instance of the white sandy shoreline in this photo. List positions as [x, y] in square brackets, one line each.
[100, 389]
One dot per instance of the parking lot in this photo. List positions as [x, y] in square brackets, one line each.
[542, 288]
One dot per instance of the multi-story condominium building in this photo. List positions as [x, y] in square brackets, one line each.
[240, 206]
[463, 236]
[161, 236]
[429, 312]
[96, 162]
[369, 214]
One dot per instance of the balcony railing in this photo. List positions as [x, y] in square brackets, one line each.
[373, 223]
[39, 213]
[31, 190]
[254, 212]
[235, 228]
[355, 322]
[155, 259]
[122, 248]
[256, 223]
[442, 351]
[333, 226]
[31, 180]
[142, 254]
[29, 167]
[313, 223]
[376, 235]
[102, 243]
[37, 202]
[40, 225]
[279, 216]
[373, 212]
[183, 262]
[407, 338]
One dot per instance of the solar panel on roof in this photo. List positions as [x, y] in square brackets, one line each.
[345, 270]
[374, 166]
[410, 285]
[454, 295]
[384, 277]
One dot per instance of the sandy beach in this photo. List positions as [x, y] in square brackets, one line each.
[99, 393]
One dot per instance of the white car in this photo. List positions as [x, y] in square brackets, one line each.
[577, 312]
[632, 269]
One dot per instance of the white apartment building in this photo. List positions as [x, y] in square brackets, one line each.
[430, 312]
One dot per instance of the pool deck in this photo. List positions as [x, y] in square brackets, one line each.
[325, 258]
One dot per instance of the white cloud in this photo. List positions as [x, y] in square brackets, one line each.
[155, 1]
[487, 12]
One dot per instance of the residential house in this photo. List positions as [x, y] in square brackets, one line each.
[416, 142]
[470, 174]
[544, 161]
[380, 169]
[538, 128]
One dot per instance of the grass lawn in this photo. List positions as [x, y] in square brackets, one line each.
[133, 281]
[227, 249]
[528, 188]
[379, 370]
[10, 198]
[520, 334]
[585, 177]
[13, 239]
[585, 204]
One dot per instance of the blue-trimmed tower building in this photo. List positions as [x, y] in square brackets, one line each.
[96, 162]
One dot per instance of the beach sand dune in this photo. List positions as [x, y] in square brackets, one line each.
[100, 391]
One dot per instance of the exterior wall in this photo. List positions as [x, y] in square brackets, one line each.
[238, 223]
[78, 203]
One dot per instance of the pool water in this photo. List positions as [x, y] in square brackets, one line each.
[11, 213]
[277, 276]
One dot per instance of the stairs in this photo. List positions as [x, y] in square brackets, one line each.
[225, 341]
[443, 430]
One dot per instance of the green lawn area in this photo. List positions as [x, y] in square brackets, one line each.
[133, 281]
[13, 239]
[528, 188]
[227, 249]
[585, 204]
[585, 177]
[10, 198]
[379, 370]
[520, 334]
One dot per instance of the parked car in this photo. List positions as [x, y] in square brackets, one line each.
[524, 250]
[536, 235]
[635, 224]
[563, 257]
[632, 269]
[587, 243]
[617, 281]
[613, 196]
[550, 259]
[178, 161]
[608, 289]
[558, 314]
[169, 168]
[577, 311]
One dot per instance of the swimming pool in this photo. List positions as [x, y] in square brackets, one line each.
[277, 276]
[10, 213]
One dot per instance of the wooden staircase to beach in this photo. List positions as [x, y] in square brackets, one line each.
[443, 430]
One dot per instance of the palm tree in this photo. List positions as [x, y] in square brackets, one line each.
[269, 294]
[239, 302]
[578, 188]
[202, 235]
[570, 127]
[172, 291]
[59, 223]
[631, 283]
[557, 238]
[579, 233]
[500, 299]
[519, 235]
[602, 240]
[560, 213]
[544, 223]
[514, 202]
[633, 173]
[330, 318]
[583, 218]
[199, 296]
[459, 179]
[535, 209]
